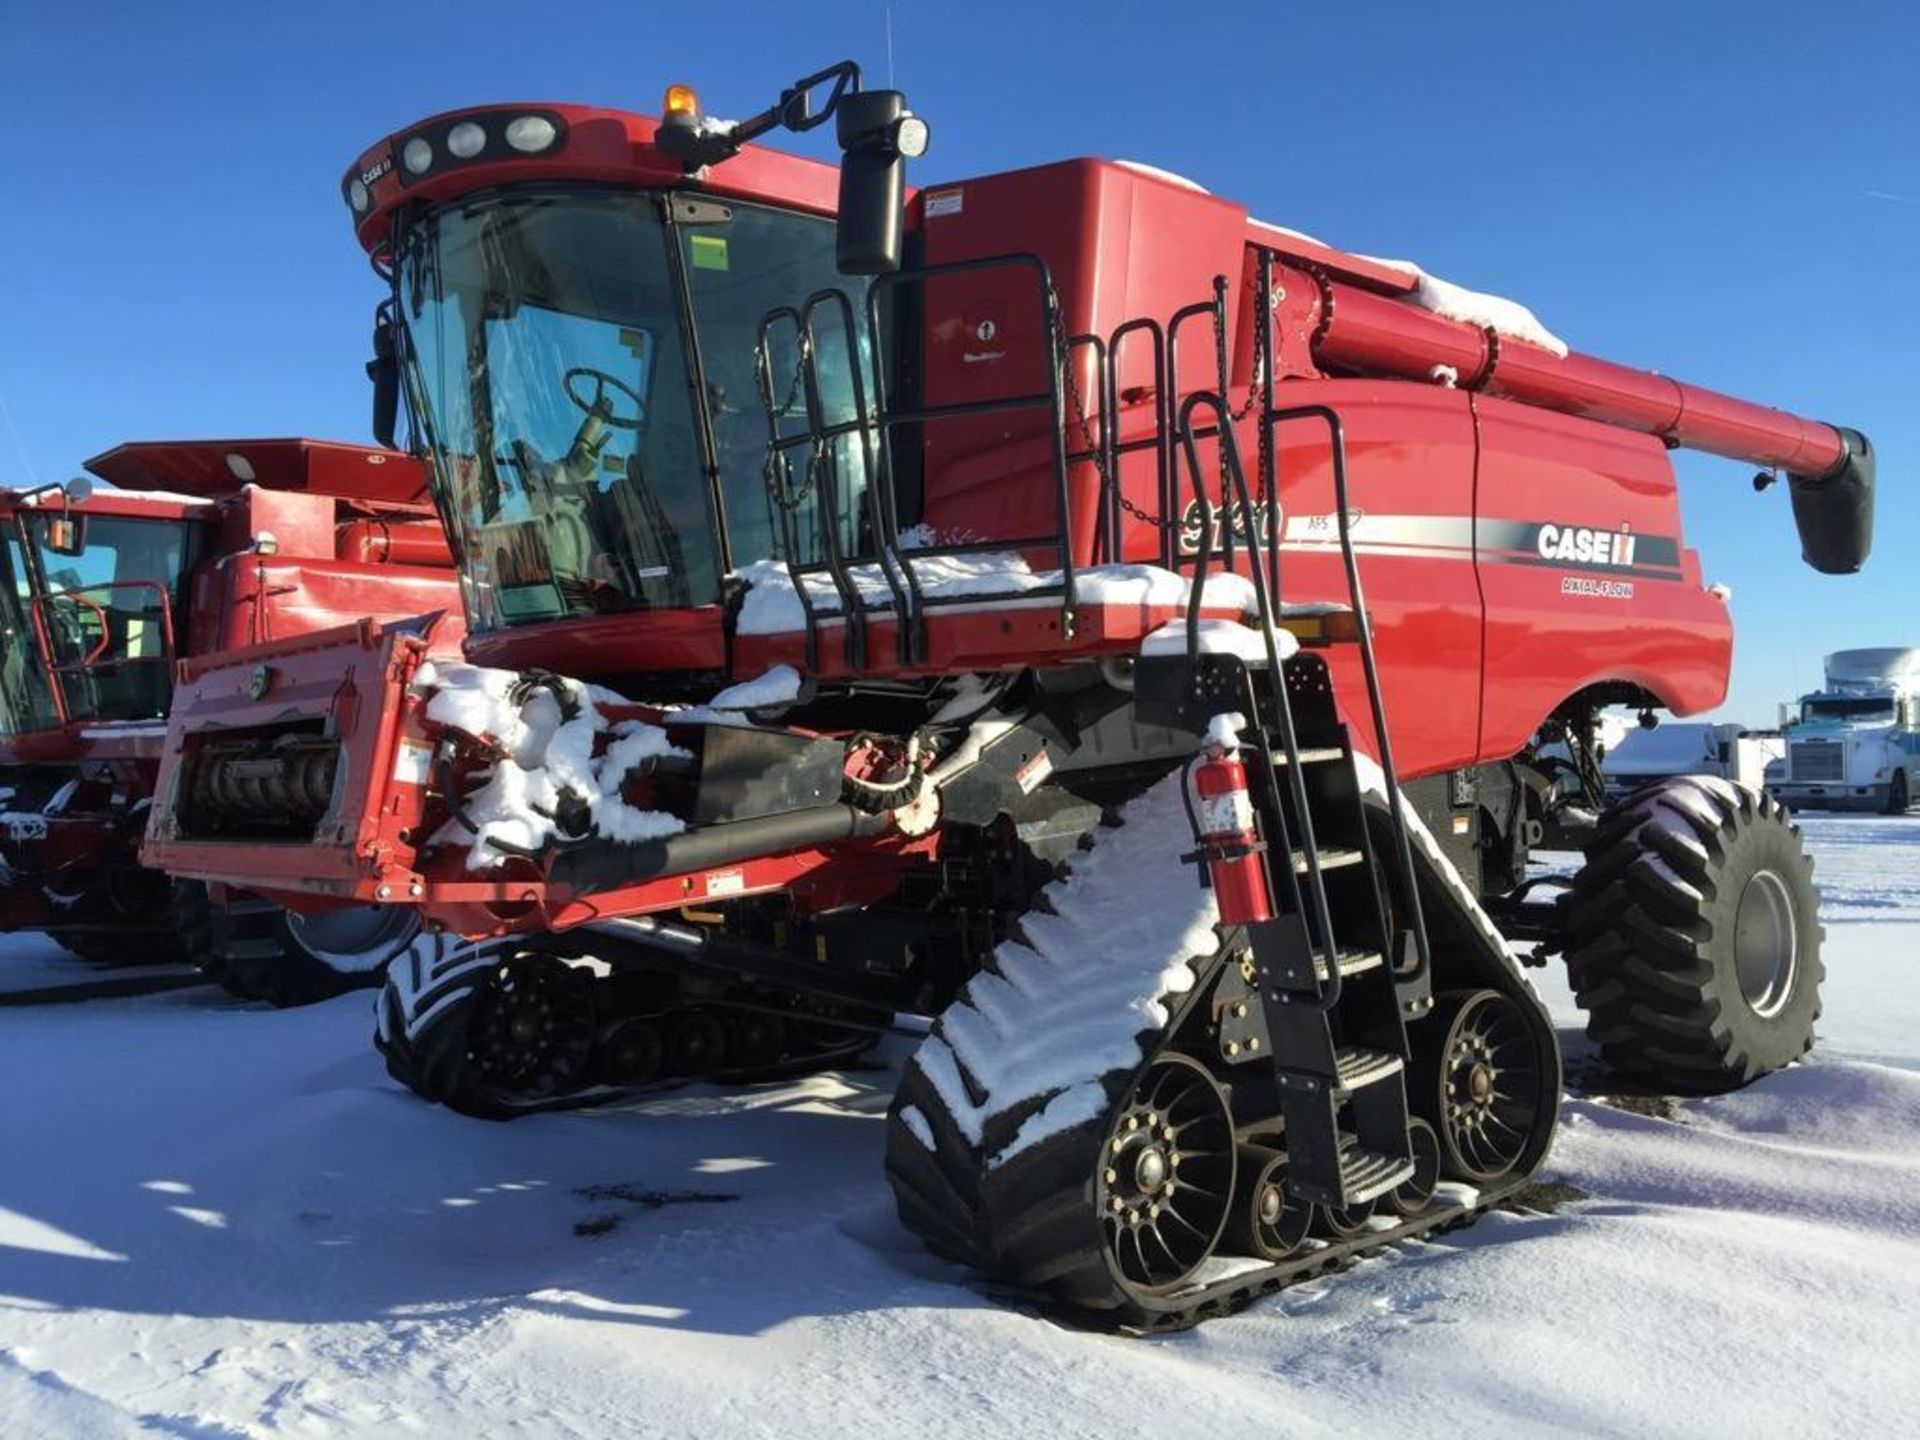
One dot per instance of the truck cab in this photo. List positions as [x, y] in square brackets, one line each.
[1854, 744]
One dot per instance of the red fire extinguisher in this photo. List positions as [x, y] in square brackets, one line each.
[1229, 837]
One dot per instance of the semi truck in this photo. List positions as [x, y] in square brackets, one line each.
[1854, 744]
[1057, 603]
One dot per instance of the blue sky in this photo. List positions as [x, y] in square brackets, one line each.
[1727, 192]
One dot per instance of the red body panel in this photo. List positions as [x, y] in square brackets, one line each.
[216, 468]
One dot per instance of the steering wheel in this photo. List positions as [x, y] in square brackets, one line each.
[600, 405]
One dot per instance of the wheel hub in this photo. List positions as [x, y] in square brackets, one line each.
[1166, 1181]
[1766, 944]
[1272, 1202]
[1488, 1087]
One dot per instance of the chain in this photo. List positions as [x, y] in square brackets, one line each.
[1077, 413]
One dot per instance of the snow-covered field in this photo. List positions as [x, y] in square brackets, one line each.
[217, 1221]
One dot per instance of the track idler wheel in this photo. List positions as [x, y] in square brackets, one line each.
[1267, 1223]
[1344, 1224]
[1483, 1083]
[630, 1052]
[1165, 1188]
[755, 1041]
[696, 1044]
[1416, 1192]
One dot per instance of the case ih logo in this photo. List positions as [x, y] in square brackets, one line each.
[1577, 545]
[368, 176]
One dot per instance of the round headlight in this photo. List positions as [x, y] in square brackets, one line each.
[358, 197]
[910, 136]
[530, 134]
[417, 156]
[466, 140]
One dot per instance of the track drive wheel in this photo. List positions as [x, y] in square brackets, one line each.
[486, 1028]
[1693, 938]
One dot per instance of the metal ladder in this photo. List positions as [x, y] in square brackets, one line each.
[1332, 999]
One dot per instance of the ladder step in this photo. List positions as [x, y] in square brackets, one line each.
[1333, 857]
[1312, 755]
[1355, 1067]
[1366, 1175]
[1352, 962]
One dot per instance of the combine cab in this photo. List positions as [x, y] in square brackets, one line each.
[1064, 606]
[201, 547]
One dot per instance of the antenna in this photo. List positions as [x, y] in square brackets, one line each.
[889, 15]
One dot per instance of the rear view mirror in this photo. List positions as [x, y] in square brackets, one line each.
[384, 371]
[878, 135]
[66, 535]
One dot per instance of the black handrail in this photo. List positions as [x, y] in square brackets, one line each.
[1376, 699]
[1267, 609]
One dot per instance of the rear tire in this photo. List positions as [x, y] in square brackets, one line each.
[257, 951]
[1899, 799]
[1694, 936]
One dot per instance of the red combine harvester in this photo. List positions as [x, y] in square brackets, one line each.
[204, 547]
[851, 637]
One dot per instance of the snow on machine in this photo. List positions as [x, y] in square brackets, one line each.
[1054, 602]
[203, 547]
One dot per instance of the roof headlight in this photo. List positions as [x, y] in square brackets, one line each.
[417, 156]
[910, 136]
[466, 140]
[530, 134]
[358, 196]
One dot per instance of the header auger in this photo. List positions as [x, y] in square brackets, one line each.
[859, 634]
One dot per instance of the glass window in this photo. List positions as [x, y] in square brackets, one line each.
[106, 612]
[739, 269]
[550, 377]
[26, 701]
[1849, 708]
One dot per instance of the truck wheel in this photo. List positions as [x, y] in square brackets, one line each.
[484, 1029]
[1694, 936]
[258, 951]
[1898, 798]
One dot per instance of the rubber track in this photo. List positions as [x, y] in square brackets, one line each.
[436, 976]
[1640, 950]
[1028, 1223]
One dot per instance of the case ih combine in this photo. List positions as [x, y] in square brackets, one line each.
[205, 547]
[1122, 631]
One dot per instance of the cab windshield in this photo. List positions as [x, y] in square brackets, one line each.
[1848, 708]
[584, 461]
[88, 616]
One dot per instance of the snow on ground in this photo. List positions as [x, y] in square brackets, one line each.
[219, 1221]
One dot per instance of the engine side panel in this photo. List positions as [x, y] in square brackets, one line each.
[1585, 572]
